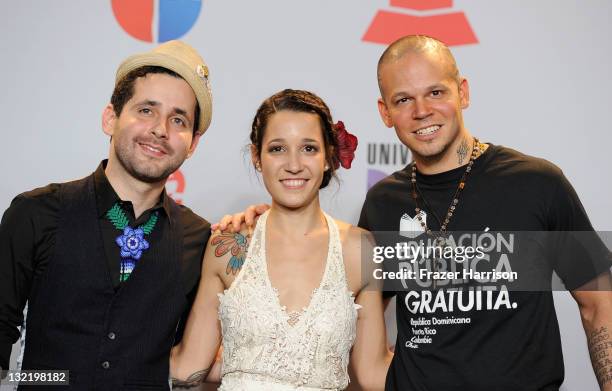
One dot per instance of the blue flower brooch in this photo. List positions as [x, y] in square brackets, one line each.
[131, 242]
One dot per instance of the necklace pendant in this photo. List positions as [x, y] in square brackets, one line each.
[441, 242]
[132, 243]
[476, 148]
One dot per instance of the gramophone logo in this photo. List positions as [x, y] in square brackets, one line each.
[428, 17]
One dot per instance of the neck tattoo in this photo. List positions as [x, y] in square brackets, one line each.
[462, 151]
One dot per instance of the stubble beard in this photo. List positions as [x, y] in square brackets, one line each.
[143, 171]
[429, 155]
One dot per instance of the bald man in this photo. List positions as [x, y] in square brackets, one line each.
[465, 338]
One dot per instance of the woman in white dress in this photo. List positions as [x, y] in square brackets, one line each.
[290, 300]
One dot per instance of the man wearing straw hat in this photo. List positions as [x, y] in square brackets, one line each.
[108, 263]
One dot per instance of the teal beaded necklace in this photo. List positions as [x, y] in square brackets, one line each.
[131, 242]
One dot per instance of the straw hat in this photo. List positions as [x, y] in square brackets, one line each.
[181, 58]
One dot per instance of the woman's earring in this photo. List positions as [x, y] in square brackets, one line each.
[326, 167]
[258, 166]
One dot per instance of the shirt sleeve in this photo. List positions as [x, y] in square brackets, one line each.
[16, 269]
[27, 237]
[580, 254]
[363, 218]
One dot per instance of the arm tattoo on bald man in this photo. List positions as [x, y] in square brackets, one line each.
[462, 151]
[192, 381]
[600, 349]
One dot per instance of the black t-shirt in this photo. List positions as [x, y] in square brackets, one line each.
[493, 347]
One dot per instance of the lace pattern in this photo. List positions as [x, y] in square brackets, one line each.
[301, 350]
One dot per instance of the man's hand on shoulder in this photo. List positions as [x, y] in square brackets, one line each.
[234, 223]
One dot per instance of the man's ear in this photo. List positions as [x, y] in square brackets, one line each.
[194, 143]
[384, 113]
[464, 93]
[108, 119]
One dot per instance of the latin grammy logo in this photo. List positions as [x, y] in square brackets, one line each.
[452, 28]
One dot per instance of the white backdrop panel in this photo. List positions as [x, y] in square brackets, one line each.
[539, 83]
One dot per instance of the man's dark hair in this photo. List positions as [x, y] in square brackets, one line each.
[124, 90]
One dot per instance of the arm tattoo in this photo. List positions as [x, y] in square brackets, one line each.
[600, 350]
[192, 381]
[462, 151]
[236, 244]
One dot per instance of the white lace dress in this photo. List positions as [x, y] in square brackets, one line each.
[266, 348]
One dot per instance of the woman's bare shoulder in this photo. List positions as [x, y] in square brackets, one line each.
[355, 242]
[351, 235]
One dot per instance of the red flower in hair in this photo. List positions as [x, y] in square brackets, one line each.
[347, 144]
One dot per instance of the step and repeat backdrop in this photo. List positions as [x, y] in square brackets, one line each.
[538, 72]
